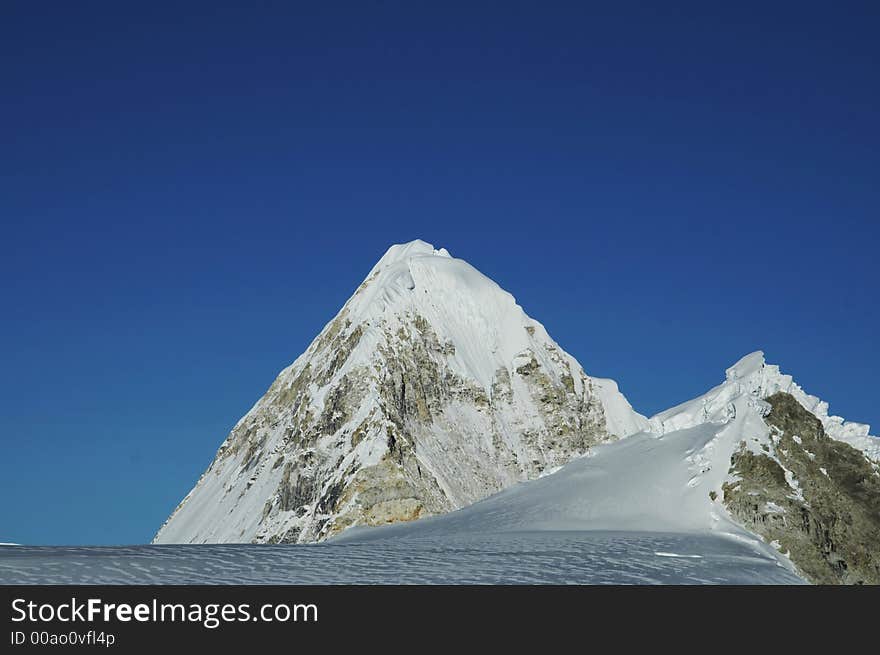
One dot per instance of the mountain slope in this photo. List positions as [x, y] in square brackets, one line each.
[748, 461]
[430, 389]
[658, 480]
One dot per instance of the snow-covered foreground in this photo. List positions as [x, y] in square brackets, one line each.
[492, 558]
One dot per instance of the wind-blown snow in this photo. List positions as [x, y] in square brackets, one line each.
[514, 558]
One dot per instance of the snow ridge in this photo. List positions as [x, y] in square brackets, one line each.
[753, 377]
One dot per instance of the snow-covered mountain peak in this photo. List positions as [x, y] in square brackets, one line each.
[746, 366]
[402, 251]
[430, 389]
[752, 379]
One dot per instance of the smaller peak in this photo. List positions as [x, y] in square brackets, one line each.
[746, 366]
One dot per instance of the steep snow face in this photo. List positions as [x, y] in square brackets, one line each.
[429, 390]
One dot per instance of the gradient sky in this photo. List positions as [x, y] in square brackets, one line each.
[188, 195]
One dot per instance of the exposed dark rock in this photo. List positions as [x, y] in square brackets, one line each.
[831, 529]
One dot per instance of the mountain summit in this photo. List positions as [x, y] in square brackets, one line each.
[430, 389]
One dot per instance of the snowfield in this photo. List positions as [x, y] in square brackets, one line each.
[512, 558]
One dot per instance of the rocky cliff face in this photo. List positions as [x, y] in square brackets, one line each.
[817, 499]
[430, 389]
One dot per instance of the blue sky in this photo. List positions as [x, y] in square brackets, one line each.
[188, 194]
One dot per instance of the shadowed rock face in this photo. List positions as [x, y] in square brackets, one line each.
[818, 498]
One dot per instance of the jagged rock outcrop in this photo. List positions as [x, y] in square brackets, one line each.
[430, 389]
[817, 499]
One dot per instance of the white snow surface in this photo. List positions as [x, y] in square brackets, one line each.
[570, 557]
